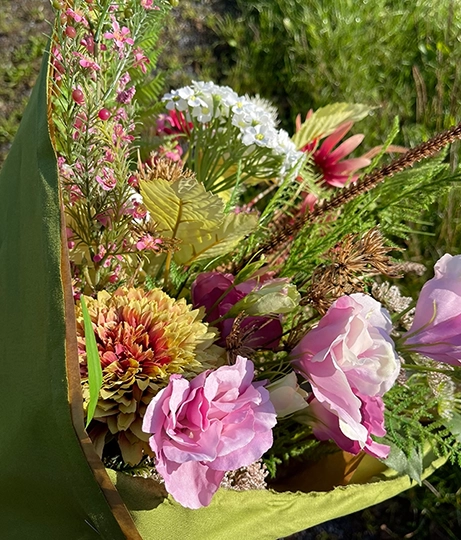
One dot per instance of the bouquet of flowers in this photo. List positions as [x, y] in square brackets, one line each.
[229, 324]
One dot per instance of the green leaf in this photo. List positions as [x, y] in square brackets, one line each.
[274, 297]
[182, 209]
[248, 271]
[214, 244]
[326, 119]
[185, 211]
[93, 363]
[411, 465]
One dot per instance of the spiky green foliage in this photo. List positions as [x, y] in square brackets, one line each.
[413, 419]
[395, 205]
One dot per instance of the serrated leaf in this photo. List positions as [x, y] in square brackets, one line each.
[326, 119]
[231, 231]
[93, 363]
[411, 465]
[183, 209]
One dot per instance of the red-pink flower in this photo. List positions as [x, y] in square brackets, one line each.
[219, 421]
[148, 242]
[87, 62]
[335, 170]
[119, 35]
[106, 179]
[140, 59]
[77, 16]
[149, 4]
[173, 123]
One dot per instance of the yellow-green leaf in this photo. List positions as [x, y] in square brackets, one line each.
[182, 209]
[223, 239]
[326, 119]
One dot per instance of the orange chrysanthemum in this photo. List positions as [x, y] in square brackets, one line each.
[142, 337]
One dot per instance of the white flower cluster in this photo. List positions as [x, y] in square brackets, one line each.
[205, 102]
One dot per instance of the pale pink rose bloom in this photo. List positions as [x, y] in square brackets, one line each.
[326, 425]
[219, 421]
[349, 353]
[436, 328]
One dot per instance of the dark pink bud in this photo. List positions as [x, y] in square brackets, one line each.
[104, 114]
[78, 97]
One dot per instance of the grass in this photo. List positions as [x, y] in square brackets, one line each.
[23, 30]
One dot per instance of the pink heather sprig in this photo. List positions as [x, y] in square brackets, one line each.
[94, 120]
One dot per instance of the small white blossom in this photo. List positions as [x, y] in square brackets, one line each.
[254, 118]
[260, 135]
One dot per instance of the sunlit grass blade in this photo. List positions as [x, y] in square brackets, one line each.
[93, 363]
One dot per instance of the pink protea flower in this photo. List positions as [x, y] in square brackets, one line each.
[219, 421]
[173, 123]
[335, 170]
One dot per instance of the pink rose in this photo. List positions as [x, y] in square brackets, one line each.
[436, 328]
[326, 425]
[217, 422]
[349, 354]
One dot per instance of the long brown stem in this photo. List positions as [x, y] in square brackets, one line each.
[368, 182]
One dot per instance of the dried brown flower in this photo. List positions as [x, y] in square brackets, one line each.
[246, 478]
[163, 168]
[236, 339]
[351, 262]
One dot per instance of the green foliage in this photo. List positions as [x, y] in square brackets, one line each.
[186, 212]
[293, 440]
[412, 421]
[149, 89]
[325, 120]
[395, 205]
[400, 57]
[22, 40]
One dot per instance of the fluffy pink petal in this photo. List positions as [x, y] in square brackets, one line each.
[192, 484]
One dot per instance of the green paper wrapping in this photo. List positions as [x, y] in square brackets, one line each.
[47, 488]
[258, 515]
[51, 484]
